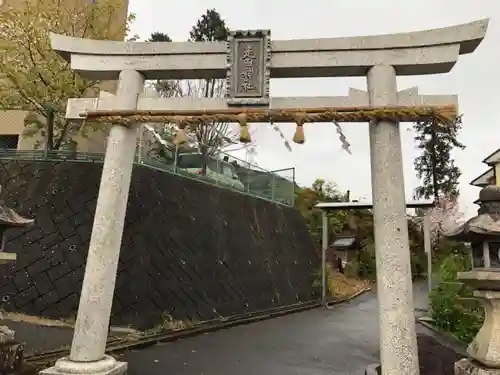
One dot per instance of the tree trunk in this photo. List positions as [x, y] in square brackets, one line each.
[49, 143]
[434, 161]
[204, 160]
[63, 134]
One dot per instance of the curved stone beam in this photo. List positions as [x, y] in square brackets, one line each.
[414, 53]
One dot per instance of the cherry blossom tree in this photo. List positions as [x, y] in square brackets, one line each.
[445, 216]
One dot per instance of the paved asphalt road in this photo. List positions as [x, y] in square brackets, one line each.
[341, 341]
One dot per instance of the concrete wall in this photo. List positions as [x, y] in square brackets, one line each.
[190, 250]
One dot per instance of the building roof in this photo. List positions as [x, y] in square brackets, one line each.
[10, 218]
[493, 158]
[484, 179]
[343, 242]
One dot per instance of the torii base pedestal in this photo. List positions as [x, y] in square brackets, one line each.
[106, 366]
[467, 366]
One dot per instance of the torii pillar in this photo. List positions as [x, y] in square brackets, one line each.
[379, 58]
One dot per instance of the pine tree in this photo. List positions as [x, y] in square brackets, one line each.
[436, 165]
[159, 37]
[209, 28]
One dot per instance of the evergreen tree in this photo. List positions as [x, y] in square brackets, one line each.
[209, 28]
[213, 136]
[159, 37]
[436, 165]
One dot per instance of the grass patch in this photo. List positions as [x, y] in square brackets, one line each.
[339, 285]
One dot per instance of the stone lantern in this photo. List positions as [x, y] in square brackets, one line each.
[9, 219]
[483, 233]
[11, 352]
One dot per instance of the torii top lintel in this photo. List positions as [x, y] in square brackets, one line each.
[413, 53]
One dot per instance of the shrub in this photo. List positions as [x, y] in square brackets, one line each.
[450, 309]
[329, 276]
[367, 264]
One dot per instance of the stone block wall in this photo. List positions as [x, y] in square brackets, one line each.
[190, 251]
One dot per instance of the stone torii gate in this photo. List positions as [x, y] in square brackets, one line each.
[248, 60]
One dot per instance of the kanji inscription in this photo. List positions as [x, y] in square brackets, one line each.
[248, 78]
[249, 55]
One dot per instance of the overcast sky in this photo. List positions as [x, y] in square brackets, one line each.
[475, 78]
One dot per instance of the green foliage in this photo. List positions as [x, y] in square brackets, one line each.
[367, 264]
[452, 307]
[159, 37]
[366, 257]
[209, 28]
[329, 280]
[307, 198]
[436, 165]
[359, 222]
[446, 248]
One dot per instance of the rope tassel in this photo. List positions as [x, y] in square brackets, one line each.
[299, 136]
[244, 132]
[180, 137]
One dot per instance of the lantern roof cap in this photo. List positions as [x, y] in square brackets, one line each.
[485, 226]
[10, 218]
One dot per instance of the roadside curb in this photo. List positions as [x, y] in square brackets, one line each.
[119, 346]
[359, 293]
[444, 338]
[421, 309]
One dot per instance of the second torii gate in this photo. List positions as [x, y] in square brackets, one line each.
[338, 206]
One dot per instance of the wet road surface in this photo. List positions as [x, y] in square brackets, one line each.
[342, 340]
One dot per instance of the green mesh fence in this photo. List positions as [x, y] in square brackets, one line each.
[222, 170]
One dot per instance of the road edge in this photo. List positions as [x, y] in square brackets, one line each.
[443, 337]
[136, 343]
[359, 293]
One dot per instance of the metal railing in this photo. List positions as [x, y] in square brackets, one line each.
[276, 186]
